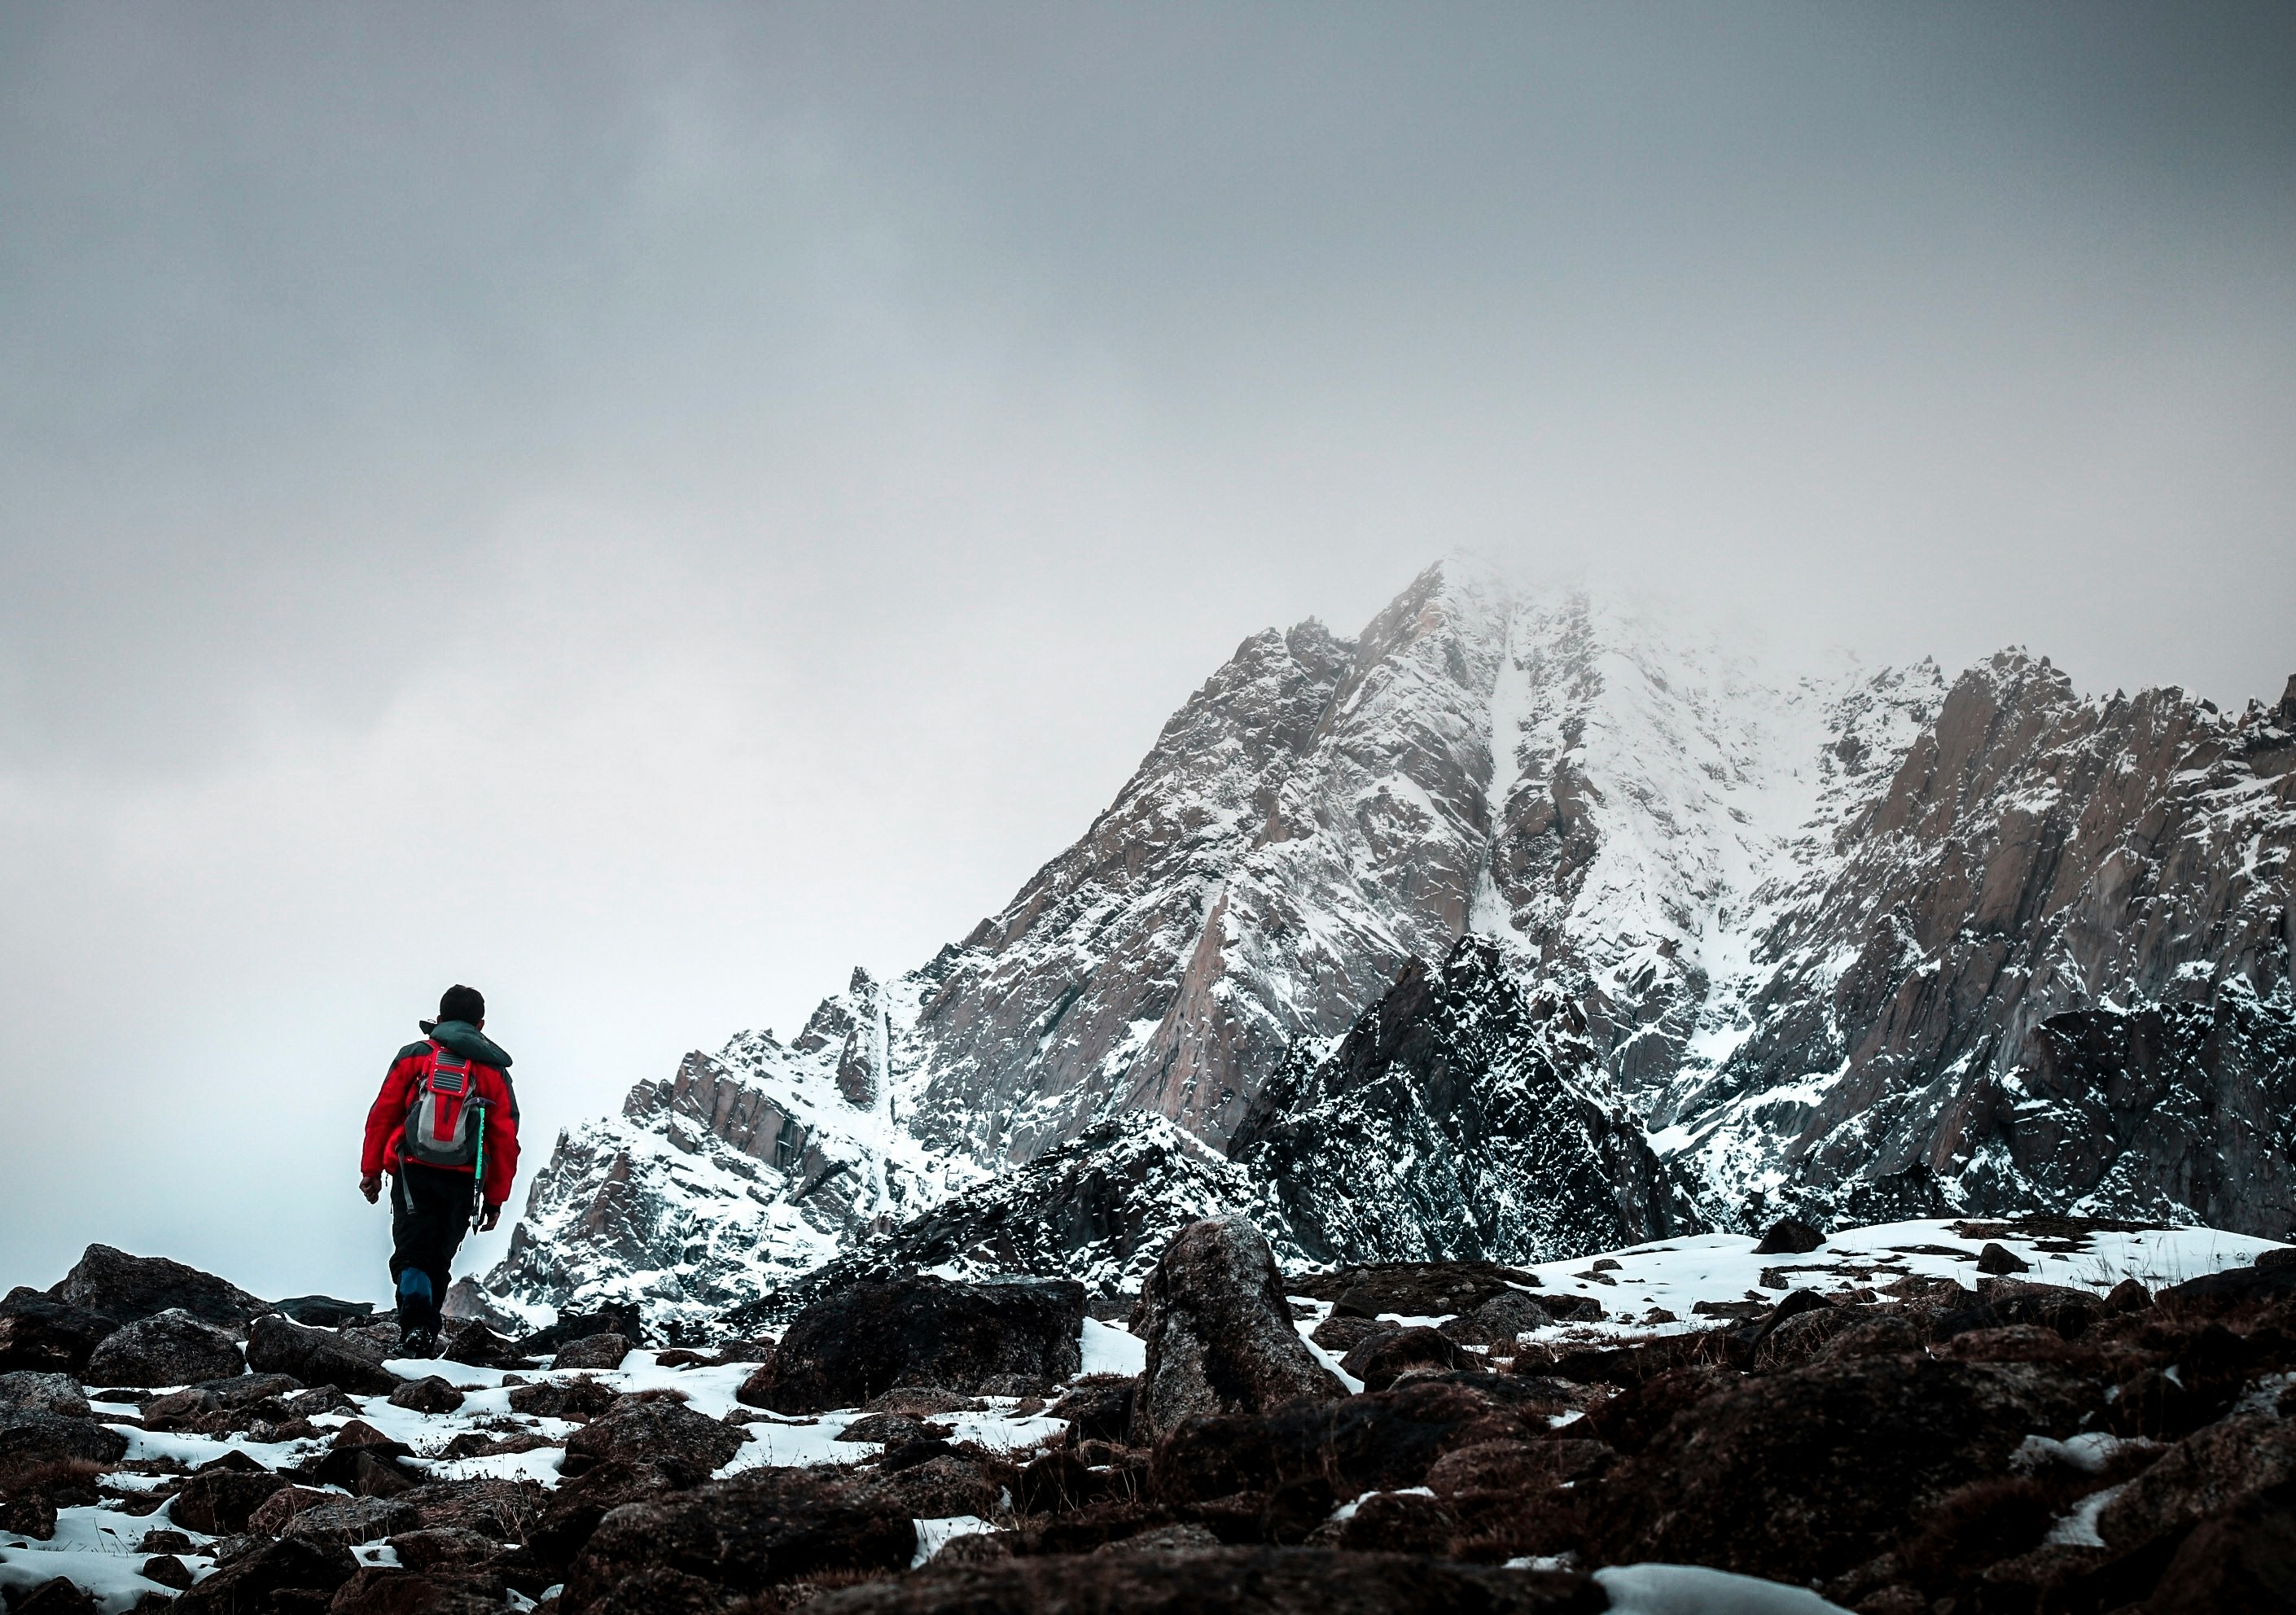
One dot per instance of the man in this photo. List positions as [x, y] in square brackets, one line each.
[445, 1105]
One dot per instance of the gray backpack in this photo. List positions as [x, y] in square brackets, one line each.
[443, 1123]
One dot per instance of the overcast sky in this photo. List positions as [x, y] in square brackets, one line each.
[641, 508]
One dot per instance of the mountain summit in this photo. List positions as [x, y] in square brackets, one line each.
[1519, 925]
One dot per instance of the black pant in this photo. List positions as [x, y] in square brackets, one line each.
[430, 1213]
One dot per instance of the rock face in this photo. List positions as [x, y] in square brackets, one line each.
[125, 1288]
[2047, 967]
[1461, 1116]
[171, 1348]
[1220, 1332]
[1518, 880]
[857, 1342]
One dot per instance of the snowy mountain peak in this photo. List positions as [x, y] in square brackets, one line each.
[1826, 935]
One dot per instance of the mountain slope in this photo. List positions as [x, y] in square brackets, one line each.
[1867, 943]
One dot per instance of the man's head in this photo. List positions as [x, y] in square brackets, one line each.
[460, 1003]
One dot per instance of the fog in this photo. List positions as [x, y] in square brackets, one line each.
[642, 509]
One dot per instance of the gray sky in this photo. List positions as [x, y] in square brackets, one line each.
[641, 508]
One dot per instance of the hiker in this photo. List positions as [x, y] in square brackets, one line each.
[446, 1105]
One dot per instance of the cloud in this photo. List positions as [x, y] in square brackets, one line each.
[642, 511]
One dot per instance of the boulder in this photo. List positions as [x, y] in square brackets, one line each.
[922, 1402]
[1885, 1336]
[1398, 1522]
[1499, 1321]
[46, 1335]
[29, 1514]
[1790, 1236]
[325, 1311]
[276, 1513]
[472, 1342]
[1220, 1334]
[445, 1548]
[351, 1520]
[593, 1351]
[366, 1471]
[1798, 1474]
[1566, 1309]
[500, 1508]
[1378, 1441]
[428, 1395]
[167, 1571]
[171, 1348]
[571, 1513]
[667, 1434]
[738, 1536]
[219, 1503]
[2234, 1287]
[889, 1430]
[59, 1595]
[1341, 1333]
[617, 1318]
[855, 1342]
[1410, 1289]
[1381, 1359]
[2237, 1561]
[55, 1393]
[2207, 1472]
[126, 1288]
[575, 1399]
[1515, 1466]
[938, 1488]
[1101, 1412]
[1998, 1259]
[250, 1581]
[2130, 1295]
[317, 1356]
[381, 1590]
[32, 1437]
[1220, 1581]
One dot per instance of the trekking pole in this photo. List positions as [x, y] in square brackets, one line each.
[478, 1171]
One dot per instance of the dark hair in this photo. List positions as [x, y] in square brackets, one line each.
[460, 1003]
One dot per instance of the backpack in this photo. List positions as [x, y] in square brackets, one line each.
[443, 1123]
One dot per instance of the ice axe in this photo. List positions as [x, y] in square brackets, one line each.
[479, 1169]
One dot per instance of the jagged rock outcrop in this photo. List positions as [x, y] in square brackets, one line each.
[2049, 968]
[1099, 1208]
[1461, 1117]
[1220, 1332]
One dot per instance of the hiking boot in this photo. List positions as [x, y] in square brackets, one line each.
[419, 1343]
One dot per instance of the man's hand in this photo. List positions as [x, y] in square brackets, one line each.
[488, 1218]
[371, 1186]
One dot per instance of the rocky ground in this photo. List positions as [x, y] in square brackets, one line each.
[1950, 1418]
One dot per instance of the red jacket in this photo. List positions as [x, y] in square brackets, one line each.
[386, 1120]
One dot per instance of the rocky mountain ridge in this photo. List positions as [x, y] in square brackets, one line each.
[1715, 941]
